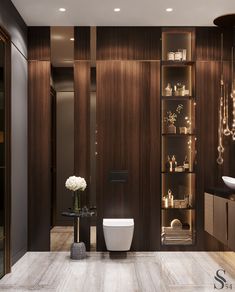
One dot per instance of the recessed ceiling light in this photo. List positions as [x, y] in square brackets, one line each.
[169, 9]
[72, 39]
[62, 9]
[116, 9]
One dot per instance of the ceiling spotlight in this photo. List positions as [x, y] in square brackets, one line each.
[62, 9]
[116, 9]
[169, 9]
[72, 39]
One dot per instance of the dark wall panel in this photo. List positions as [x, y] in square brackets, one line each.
[39, 155]
[127, 109]
[128, 43]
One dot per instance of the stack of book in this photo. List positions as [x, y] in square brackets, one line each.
[176, 236]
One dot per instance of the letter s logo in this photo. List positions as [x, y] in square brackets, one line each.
[220, 279]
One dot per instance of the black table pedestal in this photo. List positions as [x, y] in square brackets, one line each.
[78, 249]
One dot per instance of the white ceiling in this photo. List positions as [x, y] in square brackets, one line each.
[133, 12]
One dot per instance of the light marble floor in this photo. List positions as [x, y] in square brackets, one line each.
[159, 271]
[62, 238]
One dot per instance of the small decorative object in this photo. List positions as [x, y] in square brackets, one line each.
[186, 164]
[168, 163]
[170, 119]
[76, 184]
[171, 129]
[168, 90]
[184, 54]
[179, 89]
[179, 169]
[168, 201]
[178, 56]
[174, 163]
[176, 224]
[171, 56]
[183, 130]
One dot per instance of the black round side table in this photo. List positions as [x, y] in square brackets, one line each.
[78, 249]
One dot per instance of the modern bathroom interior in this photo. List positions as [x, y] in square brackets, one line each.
[117, 147]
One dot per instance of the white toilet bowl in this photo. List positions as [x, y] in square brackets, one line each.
[118, 233]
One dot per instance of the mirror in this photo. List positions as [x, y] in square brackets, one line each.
[62, 97]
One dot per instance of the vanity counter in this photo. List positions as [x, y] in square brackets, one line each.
[225, 193]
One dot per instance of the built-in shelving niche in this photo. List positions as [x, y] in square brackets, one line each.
[178, 138]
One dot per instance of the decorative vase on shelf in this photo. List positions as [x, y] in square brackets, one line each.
[171, 129]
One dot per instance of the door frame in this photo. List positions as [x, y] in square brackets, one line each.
[7, 194]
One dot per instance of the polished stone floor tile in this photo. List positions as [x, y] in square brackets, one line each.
[140, 272]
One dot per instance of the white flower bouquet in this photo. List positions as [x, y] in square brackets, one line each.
[76, 184]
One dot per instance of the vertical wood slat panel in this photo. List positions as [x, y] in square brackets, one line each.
[39, 43]
[208, 43]
[39, 155]
[207, 88]
[128, 43]
[82, 43]
[82, 123]
[127, 107]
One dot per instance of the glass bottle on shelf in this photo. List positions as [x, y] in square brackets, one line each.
[186, 164]
[168, 164]
[174, 163]
[170, 199]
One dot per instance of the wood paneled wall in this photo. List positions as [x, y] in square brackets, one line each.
[128, 139]
[128, 43]
[39, 140]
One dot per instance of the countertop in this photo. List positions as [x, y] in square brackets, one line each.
[221, 192]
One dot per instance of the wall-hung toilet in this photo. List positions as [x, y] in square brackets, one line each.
[118, 233]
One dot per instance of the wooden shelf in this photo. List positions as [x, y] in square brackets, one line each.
[178, 172]
[188, 208]
[177, 63]
[178, 97]
[177, 135]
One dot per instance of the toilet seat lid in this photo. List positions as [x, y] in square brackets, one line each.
[112, 222]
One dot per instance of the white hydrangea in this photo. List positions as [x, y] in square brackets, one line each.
[75, 183]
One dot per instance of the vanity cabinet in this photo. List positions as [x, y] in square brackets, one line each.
[209, 214]
[231, 225]
[220, 219]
